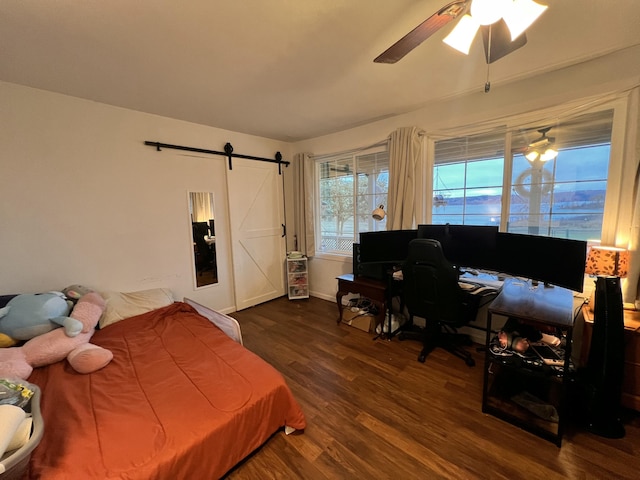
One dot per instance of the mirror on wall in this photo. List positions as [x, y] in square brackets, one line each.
[203, 235]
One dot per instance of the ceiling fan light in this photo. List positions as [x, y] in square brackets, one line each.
[521, 14]
[549, 154]
[532, 155]
[486, 12]
[463, 34]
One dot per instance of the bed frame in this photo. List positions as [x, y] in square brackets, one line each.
[227, 324]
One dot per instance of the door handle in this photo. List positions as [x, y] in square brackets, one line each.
[284, 230]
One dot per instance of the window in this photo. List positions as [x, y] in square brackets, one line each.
[351, 186]
[562, 197]
[467, 180]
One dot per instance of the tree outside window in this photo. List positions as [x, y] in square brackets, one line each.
[350, 187]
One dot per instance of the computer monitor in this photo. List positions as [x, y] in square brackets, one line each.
[378, 251]
[388, 246]
[200, 229]
[471, 246]
[552, 260]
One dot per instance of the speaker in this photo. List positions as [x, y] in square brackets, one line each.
[375, 270]
[356, 259]
[605, 363]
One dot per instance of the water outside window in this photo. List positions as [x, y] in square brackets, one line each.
[563, 197]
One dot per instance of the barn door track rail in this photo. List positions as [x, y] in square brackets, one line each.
[228, 152]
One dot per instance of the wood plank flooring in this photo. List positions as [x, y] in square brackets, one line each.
[374, 412]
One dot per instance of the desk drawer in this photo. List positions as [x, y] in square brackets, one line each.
[631, 383]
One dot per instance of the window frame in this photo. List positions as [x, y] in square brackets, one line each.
[352, 155]
[617, 215]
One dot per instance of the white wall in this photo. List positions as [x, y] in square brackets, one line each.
[579, 85]
[83, 200]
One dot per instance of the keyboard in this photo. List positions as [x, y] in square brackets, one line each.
[481, 280]
[478, 289]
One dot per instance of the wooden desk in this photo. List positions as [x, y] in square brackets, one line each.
[631, 378]
[374, 290]
[542, 307]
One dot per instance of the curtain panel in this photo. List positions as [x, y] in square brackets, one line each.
[202, 206]
[404, 159]
[303, 198]
[631, 285]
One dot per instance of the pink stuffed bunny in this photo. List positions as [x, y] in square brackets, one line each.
[53, 346]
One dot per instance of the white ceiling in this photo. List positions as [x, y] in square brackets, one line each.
[282, 69]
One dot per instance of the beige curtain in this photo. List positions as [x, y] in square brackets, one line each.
[631, 286]
[201, 206]
[404, 159]
[303, 192]
[626, 230]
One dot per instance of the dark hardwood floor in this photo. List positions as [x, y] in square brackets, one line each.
[374, 412]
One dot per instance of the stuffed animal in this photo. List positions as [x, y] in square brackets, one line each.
[75, 292]
[30, 315]
[55, 345]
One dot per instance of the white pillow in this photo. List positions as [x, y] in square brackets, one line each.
[122, 305]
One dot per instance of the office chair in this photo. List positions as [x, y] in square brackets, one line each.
[205, 255]
[431, 291]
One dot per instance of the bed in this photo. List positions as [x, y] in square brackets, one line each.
[182, 398]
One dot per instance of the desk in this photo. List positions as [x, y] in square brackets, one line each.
[542, 307]
[374, 290]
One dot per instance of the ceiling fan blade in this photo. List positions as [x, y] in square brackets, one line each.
[501, 43]
[423, 31]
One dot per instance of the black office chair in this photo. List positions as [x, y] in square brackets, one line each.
[431, 291]
[205, 254]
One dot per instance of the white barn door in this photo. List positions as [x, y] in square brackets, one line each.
[256, 217]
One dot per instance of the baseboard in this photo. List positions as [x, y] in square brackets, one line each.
[322, 296]
[477, 336]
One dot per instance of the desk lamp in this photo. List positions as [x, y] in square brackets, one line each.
[378, 213]
[606, 354]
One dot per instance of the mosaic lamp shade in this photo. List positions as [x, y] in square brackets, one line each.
[607, 262]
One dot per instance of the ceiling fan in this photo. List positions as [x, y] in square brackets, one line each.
[502, 22]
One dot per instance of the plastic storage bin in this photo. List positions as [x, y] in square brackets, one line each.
[13, 465]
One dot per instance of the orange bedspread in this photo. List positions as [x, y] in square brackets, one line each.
[179, 400]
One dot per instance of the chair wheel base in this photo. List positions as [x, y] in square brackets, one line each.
[608, 428]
